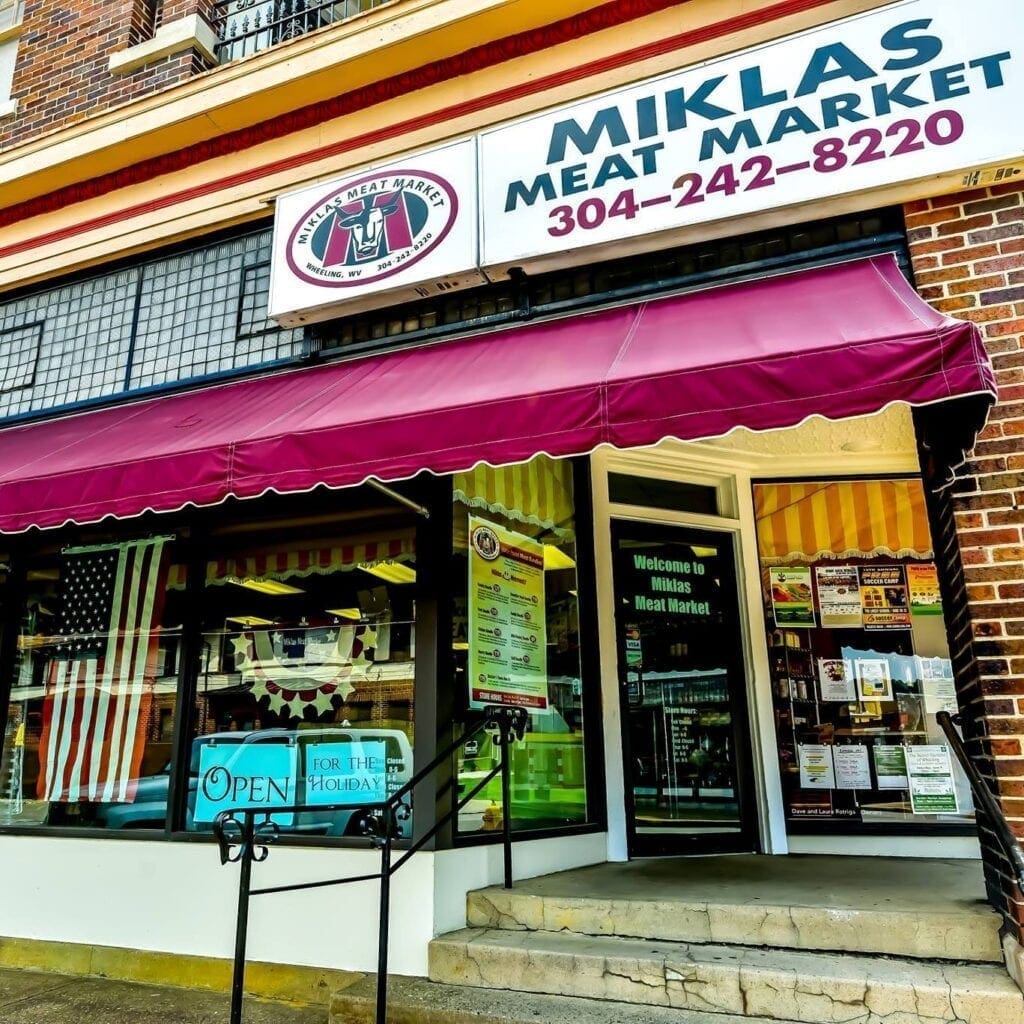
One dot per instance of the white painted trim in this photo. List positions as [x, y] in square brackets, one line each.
[188, 33]
[676, 464]
[462, 870]
[951, 847]
[12, 13]
[611, 711]
[8, 108]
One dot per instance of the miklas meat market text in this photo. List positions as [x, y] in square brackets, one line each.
[831, 96]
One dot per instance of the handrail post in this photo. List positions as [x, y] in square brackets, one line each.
[383, 932]
[245, 858]
[506, 797]
[511, 725]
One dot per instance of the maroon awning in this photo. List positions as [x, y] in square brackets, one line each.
[839, 341]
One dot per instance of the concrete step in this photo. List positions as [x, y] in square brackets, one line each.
[419, 1001]
[778, 985]
[859, 915]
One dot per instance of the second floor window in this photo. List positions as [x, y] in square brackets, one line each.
[246, 26]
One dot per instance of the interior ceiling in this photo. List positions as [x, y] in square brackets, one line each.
[890, 431]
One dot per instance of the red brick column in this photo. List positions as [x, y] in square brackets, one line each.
[968, 259]
[63, 71]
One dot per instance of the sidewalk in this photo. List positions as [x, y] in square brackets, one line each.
[30, 997]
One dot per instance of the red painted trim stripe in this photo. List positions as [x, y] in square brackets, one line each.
[693, 37]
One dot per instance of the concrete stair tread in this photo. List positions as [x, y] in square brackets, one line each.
[779, 984]
[419, 1001]
[963, 931]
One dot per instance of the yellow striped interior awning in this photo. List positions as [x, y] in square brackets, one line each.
[537, 492]
[304, 559]
[809, 521]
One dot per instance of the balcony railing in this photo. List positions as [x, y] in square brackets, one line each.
[245, 27]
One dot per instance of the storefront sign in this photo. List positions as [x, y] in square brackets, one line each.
[401, 231]
[883, 597]
[838, 596]
[258, 775]
[792, 598]
[908, 92]
[853, 770]
[932, 788]
[507, 618]
[919, 91]
[817, 770]
[346, 773]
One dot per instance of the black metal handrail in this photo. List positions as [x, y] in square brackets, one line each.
[244, 27]
[245, 841]
[984, 797]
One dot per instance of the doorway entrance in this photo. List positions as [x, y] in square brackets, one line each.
[682, 688]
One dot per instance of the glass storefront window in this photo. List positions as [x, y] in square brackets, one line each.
[858, 655]
[306, 673]
[88, 738]
[524, 646]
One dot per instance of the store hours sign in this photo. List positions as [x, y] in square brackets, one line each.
[908, 92]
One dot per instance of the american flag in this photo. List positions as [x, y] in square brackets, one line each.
[100, 686]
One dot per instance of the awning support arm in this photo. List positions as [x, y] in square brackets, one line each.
[400, 498]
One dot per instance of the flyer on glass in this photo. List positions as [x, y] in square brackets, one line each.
[836, 680]
[890, 766]
[874, 681]
[838, 596]
[507, 620]
[816, 768]
[792, 598]
[853, 770]
[923, 583]
[883, 597]
[932, 787]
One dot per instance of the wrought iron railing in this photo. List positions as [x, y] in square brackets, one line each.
[245, 840]
[983, 797]
[246, 26]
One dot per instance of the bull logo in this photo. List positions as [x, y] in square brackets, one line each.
[372, 228]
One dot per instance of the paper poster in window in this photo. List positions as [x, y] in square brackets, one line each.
[816, 768]
[923, 582]
[836, 680]
[838, 596]
[930, 771]
[792, 598]
[874, 681]
[507, 618]
[853, 770]
[883, 597]
[890, 766]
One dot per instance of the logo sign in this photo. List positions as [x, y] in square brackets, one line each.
[382, 235]
[911, 92]
[372, 228]
[257, 774]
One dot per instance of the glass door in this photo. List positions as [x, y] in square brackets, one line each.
[681, 674]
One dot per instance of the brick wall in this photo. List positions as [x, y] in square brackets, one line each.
[62, 72]
[968, 258]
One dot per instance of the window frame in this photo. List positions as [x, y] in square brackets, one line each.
[840, 826]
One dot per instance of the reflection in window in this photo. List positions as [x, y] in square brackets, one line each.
[307, 666]
[534, 503]
[93, 701]
[858, 655]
